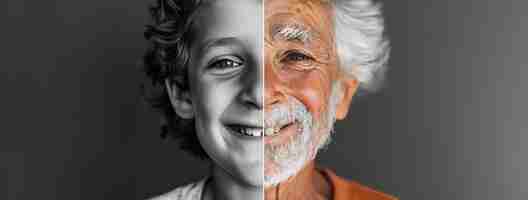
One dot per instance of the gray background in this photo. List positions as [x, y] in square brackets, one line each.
[451, 123]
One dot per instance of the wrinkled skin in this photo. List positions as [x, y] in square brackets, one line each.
[305, 70]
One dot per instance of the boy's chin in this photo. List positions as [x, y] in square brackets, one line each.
[254, 177]
[253, 180]
[244, 174]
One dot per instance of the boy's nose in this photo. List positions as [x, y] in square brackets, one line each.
[253, 88]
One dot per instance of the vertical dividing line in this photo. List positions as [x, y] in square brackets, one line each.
[263, 92]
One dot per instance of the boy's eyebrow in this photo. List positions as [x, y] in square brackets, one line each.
[213, 42]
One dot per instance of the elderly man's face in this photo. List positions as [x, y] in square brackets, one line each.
[302, 95]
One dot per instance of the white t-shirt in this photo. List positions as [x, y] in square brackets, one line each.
[191, 191]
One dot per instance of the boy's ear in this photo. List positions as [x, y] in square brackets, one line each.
[180, 100]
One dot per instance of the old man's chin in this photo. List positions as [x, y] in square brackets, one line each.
[284, 159]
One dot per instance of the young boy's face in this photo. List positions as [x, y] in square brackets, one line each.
[225, 76]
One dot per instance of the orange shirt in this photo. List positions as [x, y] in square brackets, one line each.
[349, 190]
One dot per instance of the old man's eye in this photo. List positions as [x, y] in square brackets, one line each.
[226, 65]
[294, 56]
[297, 60]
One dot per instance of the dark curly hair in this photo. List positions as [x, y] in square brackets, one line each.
[168, 35]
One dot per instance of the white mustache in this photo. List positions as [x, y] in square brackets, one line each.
[283, 114]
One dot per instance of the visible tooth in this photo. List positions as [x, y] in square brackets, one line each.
[251, 131]
[268, 131]
[272, 131]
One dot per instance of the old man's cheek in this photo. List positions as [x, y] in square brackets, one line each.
[313, 100]
[313, 92]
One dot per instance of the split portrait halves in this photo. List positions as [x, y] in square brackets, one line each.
[254, 87]
[264, 100]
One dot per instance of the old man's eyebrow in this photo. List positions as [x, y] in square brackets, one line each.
[291, 32]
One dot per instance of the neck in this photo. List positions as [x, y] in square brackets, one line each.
[224, 186]
[307, 184]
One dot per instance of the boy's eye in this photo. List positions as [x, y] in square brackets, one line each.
[226, 65]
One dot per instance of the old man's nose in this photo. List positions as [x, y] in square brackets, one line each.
[274, 90]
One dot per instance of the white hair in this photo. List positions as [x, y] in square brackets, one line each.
[362, 47]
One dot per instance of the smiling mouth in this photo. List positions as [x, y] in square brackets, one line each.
[246, 130]
[275, 130]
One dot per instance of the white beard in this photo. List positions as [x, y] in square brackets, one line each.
[290, 158]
